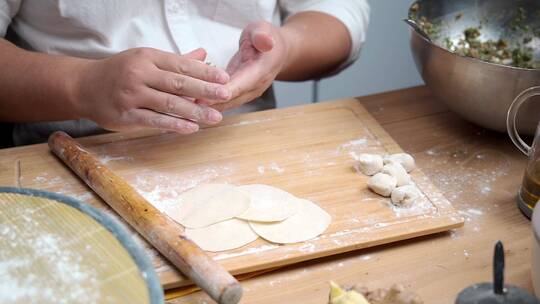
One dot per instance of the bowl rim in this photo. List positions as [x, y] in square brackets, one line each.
[413, 32]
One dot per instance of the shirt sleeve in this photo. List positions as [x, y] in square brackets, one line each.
[354, 14]
[8, 9]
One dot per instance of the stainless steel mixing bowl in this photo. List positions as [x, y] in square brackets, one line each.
[479, 91]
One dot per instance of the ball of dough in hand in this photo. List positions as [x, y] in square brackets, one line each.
[370, 164]
[405, 195]
[398, 172]
[404, 159]
[382, 184]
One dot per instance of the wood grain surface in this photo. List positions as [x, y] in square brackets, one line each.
[478, 171]
[309, 151]
[158, 229]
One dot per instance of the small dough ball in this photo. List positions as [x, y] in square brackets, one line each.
[405, 195]
[370, 164]
[398, 172]
[382, 184]
[404, 159]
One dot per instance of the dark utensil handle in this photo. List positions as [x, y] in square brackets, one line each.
[498, 268]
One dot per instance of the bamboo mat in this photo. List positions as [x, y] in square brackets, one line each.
[51, 252]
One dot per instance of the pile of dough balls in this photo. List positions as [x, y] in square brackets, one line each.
[220, 217]
[390, 176]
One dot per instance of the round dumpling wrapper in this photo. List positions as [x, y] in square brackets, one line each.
[309, 222]
[226, 235]
[208, 204]
[268, 204]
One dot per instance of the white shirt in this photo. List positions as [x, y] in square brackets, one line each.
[101, 28]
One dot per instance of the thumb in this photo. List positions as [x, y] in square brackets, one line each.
[261, 38]
[197, 54]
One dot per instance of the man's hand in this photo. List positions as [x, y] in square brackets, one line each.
[308, 45]
[261, 56]
[138, 88]
[132, 89]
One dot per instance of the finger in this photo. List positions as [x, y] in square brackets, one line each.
[178, 106]
[246, 80]
[221, 107]
[245, 97]
[149, 119]
[197, 54]
[183, 85]
[191, 66]
[262, 39]
[259, 35]
[208, 102]
[189, 98]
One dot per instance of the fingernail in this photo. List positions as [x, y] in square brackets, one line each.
[223, 93]
[223, 77]
[213, 116]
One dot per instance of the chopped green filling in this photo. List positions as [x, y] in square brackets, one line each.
[429, 28]
[494, 51]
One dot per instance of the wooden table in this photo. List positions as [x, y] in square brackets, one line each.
[479, 171]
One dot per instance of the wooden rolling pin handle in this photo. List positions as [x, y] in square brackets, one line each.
[158, 229]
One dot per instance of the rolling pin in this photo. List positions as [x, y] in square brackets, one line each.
[156, 228]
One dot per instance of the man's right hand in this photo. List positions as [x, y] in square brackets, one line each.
[137, 88]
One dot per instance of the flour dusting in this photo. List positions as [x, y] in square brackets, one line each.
[70, 281]
[472, 211]
[61, 185]
[252, 250]
[250, 122]
[163, 189]
[270, 167]
[467, 177]
[467, 171]
[354, 143]
[365, 257]
[105, 159]
[83, 197]
[275, 167]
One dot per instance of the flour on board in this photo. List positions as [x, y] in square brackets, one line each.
[272, 166]
[162, 189]
[105, 159]
[252, 250]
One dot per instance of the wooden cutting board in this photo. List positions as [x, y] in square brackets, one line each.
[309, 151]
